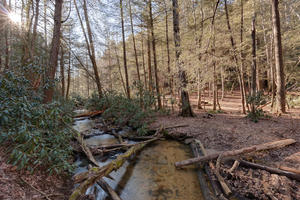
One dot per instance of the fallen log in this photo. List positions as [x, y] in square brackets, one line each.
[86, 150]
[260, 147]
[110, 148]
[203, 184]
[289, 169]
[174, 126]
[96, 173]
[137, 138]
[221, 180]
[83, 145]
[89, 114]
[292, 175]
[113, 195]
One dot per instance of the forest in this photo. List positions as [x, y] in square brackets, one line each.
[149, 99]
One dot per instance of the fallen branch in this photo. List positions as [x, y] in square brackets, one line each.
[292, 175]
[290, 169]
[89, 114]
[221, 180]
[96, 173]
[265, 146]
[110, 148]
[203, 183]
[44, 194]
[234, 166]
[83, 145]
[108, 190]
[137, 138]
[175, 126]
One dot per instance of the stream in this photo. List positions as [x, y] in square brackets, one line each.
[151, 175]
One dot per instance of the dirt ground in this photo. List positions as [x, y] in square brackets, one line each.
[22, 185]
[231, 130]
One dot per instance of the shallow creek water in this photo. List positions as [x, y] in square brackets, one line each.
[151, 175]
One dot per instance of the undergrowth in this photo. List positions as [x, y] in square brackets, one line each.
[135, 112]
[35, 133]
[256, 101]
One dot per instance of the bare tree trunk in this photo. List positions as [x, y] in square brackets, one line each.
[124, 51]
[45, 23]
[243, 87]
[6, 34]
[199, 91]
[62, 71]
[222, 82]
[272, 71]
[119, 67]
[144, 68]
[168, 49]
[280, 76]
[253, 70]
[90, 44]
[34, 31]
[154, 55]
[235, 58]
[214, 82]
[110, 68]
[69, 76]
[186, 109]
[26, 39]
[149, 57]
[50, 74]
[134, 45]
[198, 44]
[87, 76]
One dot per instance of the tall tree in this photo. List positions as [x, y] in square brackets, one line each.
[90, 45]
[34, 31]
[154, 55]
[168, 48]
[143, 58]
[149, 56]
[253, 67]
[69, 76]
[134, 45]
[6, 38]
[51, 70]
[124, 50]
[280, 76]
[62, 71]
[233, 46]
[186, 109]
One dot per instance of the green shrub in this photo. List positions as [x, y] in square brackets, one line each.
[134, 112]
[35, 133]
[293, 101]
[256, 101]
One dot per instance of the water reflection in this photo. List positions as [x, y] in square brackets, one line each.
[151, 175]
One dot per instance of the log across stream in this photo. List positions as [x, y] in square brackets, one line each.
[150, 175]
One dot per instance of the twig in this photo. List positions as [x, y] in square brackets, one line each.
[234, 166]
[225, 187]
[44, 194]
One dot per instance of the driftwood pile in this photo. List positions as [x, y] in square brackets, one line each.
[213, 171]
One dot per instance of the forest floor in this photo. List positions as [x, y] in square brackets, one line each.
[226, 130]
[22, 185]
[231, 130]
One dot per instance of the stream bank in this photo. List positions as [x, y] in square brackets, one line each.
[150, 175]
